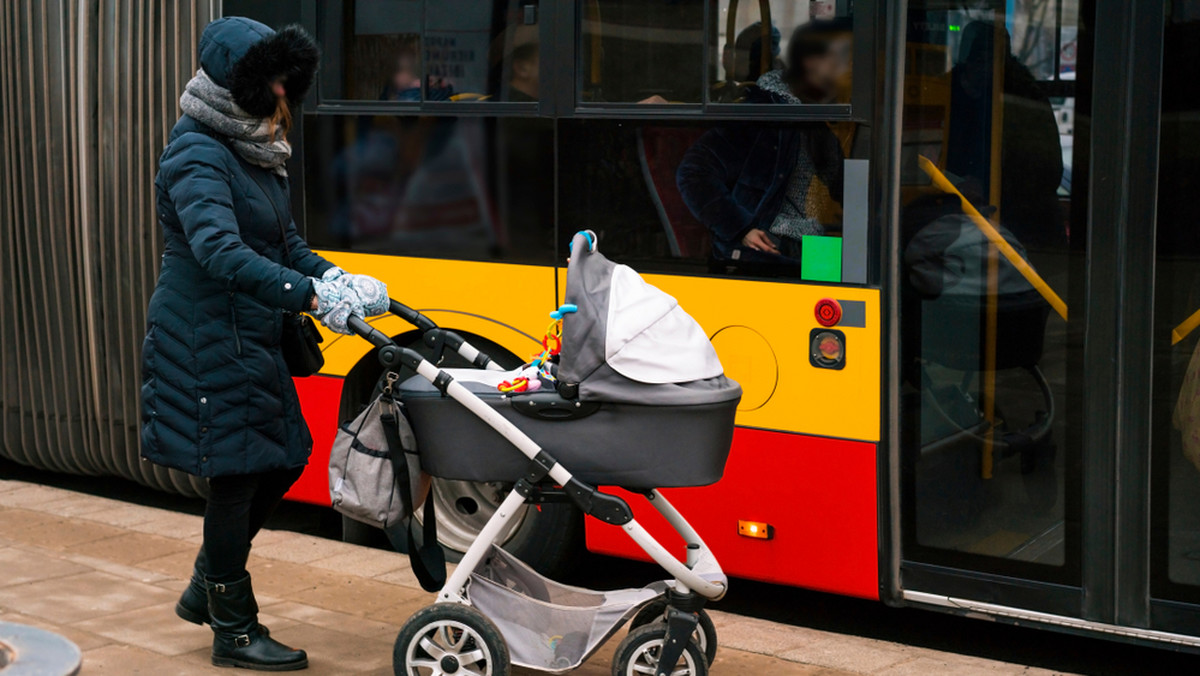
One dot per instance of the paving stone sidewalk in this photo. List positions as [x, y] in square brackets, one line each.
[106, 575]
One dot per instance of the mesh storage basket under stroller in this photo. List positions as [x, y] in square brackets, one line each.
[550, 626]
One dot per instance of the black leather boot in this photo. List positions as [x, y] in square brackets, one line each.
[193, 602]
[237, 640]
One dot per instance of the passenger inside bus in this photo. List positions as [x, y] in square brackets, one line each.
[742, 59]
[759, 189]
[523, 81]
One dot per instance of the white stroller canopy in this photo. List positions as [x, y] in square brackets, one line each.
[627, 333]
[650, 338]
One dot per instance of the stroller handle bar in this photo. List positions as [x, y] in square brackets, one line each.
[700, 573]
[436, 338]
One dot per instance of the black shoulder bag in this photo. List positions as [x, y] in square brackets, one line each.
[300, 341]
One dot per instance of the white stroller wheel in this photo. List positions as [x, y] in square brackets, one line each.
[452, 640]
[705, 635]
[638, 654]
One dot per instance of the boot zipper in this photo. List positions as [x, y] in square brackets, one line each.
[237, 339]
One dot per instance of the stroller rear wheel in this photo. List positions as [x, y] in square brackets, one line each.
[705, 635]
[639, 653]
[448, 638]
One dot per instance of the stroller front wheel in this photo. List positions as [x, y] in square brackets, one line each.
[448, 638]
[639, 653]
[705, 635]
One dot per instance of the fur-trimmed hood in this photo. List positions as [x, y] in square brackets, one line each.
[245, 56]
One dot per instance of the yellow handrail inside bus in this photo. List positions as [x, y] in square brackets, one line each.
[1185, 328]
[942, 183]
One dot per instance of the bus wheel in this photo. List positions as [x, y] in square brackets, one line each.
[548, 537]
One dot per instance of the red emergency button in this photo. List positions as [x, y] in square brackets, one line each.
[828, 312]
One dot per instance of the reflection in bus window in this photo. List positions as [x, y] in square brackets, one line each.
[988, 399]
[449, 50]
[466, 188]
[1028, 191]
[1176, 376]
[641, 51]
[761, 199]
[477, 50]
[376, 56]
[618, 179]
[756, 38]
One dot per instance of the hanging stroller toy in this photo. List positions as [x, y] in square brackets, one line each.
[637, 399]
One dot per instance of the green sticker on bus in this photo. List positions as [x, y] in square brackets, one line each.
[821, 259]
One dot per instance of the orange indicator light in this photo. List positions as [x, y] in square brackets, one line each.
[756, 529]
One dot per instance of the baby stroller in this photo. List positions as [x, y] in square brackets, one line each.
[641, 403]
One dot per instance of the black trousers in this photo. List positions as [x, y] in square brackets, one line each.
[238, 506]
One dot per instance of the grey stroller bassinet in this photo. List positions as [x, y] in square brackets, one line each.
[636, 371]
[639, 401]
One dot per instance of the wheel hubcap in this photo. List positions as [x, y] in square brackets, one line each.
[463, 507]
[647, 657]
[447, 647]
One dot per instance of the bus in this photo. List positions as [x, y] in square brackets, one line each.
[946, 249]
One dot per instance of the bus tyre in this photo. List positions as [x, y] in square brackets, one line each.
[638, 654]
[705, 635]
[548, 537]
[449, 638]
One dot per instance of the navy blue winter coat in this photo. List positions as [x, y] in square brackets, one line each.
[217, 398]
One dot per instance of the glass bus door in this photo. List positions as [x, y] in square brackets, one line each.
[1049, 305]
[992, 263]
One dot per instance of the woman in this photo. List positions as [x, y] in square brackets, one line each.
[218, 401]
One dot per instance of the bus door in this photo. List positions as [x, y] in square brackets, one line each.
[1049, 305]
[991, 260]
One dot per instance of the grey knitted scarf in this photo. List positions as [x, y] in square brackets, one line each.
[213, 105]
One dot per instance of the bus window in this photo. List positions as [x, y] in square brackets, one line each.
[372, 50]
[641, 51]
[759, 199]
[480, 51]
[781, 52]
[1176, 404]
[990, 399]
[442, 187]
[413, 50]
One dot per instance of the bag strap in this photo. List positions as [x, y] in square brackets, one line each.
[427, 559]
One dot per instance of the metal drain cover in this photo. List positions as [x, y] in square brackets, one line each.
[28, 651]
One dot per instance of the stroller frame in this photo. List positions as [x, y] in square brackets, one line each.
[696, 580]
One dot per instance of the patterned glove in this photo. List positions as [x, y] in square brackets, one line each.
[331, 292]
[339, 315]
[371, 293]
[336, 301]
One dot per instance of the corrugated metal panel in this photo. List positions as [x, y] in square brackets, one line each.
[88, 93]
